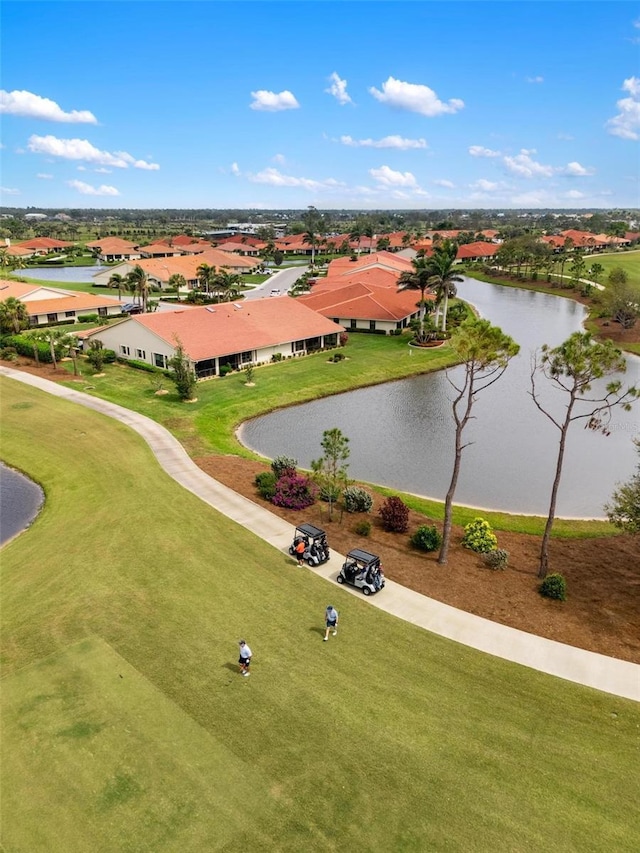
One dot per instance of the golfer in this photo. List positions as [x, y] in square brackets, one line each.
[331, 621]
[301, 547]
[245, 658]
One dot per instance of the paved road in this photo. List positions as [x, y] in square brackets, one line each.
[281, 280]
[610, 675]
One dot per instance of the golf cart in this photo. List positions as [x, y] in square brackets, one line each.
[316, 546]
[362, 570]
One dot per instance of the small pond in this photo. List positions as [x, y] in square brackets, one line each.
[62, 274]
[401, 433]
[20, 502]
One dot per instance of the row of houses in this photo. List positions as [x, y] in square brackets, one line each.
[46, 305]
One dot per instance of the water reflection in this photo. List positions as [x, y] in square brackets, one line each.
[401, 433]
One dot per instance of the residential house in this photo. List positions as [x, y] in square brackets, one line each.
[363, 307]
[44, 245]
[233, 333]
[46, 305]
[112, 249]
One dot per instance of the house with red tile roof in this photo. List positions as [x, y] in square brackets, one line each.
[380, 260]
[114, 249]
[239, 248]
[233, 333]
[359, 306]
[476, 251]
[46, 305]
[160, 270]
[159, 250]
[44, 245]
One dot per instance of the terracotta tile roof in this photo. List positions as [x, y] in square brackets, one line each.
[477, 250]
[219, 330]
[114, 246]
[44, 243]
[239, 248]
[23, 291]
[77, 302]
[187, 265]
[360, 301]
[19, 251]
[388, 260]
[376, 276]
[159, 249]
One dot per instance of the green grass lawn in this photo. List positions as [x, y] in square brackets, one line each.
[126, 726]
[629, 261]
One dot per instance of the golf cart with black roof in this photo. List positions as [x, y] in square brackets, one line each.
[316, 549]
[362, 570]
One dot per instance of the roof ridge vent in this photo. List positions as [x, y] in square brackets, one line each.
[210, 309]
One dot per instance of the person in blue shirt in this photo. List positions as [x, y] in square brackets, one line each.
[331, 621]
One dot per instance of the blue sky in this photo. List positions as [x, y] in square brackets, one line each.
[338, 105]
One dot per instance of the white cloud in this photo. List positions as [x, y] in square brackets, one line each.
[480, 151]
[573, 194]
[389, 178]
[484, 185]
[280, 159]
[102, 171]
[626, 124]
[441, 182]
[535, 198]
[535, 79]
[21, 103]
[43, 176]
[338, 89]
[9, 191]
[87, 189]
[399, 142]
[525, 166]
[414, 97]
[273, 101]
[576, 170]
[235, 169]
[82, 149]
[275, 178]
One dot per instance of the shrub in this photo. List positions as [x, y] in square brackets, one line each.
[396, 332]
[496, 559]
[395, 515]
[226, 368]
[362, 528]
[338, 356]
[277, 356]
[284, 465]
[554, 586]
[356, 499]
[329, 493]
[8, 353]
[266, 484]
[294, 491]
[344, 339]
[89, 318]
[479, 537]
[25, 345]
[109, 356]
[95, 355]
[426, 538]
[143, 365]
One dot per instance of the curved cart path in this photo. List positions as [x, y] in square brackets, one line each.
[610, 675]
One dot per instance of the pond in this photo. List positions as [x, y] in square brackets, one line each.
[20, 502]
[61, 274]
[401, 433]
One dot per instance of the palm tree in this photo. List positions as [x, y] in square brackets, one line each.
[177, 281]
[310, 238]
[443, 278]
[5, 260]
[228, 284]
[55, 338]
[206, 275]
[117, 281]
[417, 279]
[139, 281]
[13, 315]
[356, 234]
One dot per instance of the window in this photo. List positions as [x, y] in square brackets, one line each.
[372, 325]
[159, 360]
[352, 324]
[297, 346]
[52, 318]
[140, 353]
[69, 313]
[124, 350]
[102, 312]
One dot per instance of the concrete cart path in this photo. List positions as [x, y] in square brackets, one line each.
[588, 668]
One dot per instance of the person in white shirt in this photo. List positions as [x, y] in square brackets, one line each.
[245, 658]
[331, 621]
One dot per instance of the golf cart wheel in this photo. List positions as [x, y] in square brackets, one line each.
[366, 590]
[311, 562]
[340, 579]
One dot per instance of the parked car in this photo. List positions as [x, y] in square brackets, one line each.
[275, 292]
[316, 546]
[132, 308]
[363, 571]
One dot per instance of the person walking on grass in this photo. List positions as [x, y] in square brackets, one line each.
[331, 621]
[245, 658]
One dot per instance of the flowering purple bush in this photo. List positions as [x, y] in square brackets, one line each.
[294, 491]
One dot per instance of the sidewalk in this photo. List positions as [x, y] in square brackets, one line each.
[587, 668]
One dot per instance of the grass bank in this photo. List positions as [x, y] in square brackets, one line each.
[126, 725]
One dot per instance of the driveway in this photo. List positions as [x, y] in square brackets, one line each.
[282, 280]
